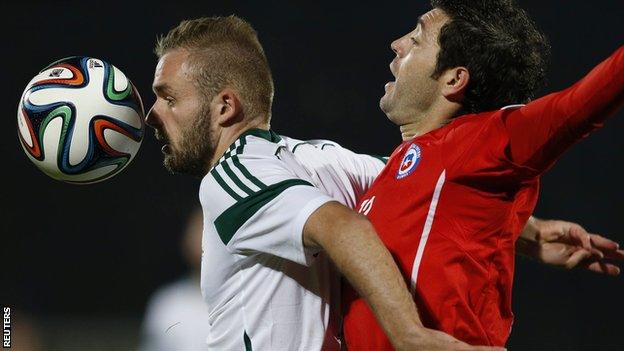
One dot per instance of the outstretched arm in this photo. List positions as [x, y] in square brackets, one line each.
[568, 245]
[545, 128]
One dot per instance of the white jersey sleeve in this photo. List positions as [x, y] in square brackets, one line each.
[338, 171]
[257, 204]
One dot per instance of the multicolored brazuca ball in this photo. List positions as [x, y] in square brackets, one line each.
[80, 120]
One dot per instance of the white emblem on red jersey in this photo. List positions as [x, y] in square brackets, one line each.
[410, 161]
[366, 206]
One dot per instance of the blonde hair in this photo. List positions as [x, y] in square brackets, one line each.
[225, 52]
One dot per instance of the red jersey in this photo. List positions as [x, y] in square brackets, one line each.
[450, 205]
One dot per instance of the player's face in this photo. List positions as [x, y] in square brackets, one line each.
[181, 116]
[414, 89]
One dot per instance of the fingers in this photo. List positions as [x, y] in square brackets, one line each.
[599, 246]
[603, 243]
[608, 248]
[553, 231]
[603, 268]
[566, 233]
[616, 255]
[580, 236]
[596, 254]
[577, 257]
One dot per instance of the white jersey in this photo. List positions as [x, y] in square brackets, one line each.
[264, 290]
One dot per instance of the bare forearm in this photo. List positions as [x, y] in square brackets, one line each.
[369, 267]
[362, 258]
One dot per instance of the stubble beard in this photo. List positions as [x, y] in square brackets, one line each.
[196, 147]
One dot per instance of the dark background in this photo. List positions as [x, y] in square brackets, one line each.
[85, 258]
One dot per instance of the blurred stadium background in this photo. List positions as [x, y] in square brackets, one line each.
[79, 263]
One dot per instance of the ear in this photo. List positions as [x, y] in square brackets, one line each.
[226, 107]
[455, 82]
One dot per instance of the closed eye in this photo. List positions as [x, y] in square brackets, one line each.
[414, 41]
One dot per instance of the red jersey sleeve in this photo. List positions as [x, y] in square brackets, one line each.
[520, 143]
[545, 128]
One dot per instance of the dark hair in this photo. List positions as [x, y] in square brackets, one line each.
[500, 46]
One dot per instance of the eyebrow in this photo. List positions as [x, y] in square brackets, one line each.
[162, 88]
[421, 22]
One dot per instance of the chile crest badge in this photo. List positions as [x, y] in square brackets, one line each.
[410, 161]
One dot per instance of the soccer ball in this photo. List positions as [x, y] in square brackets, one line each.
[80, 120]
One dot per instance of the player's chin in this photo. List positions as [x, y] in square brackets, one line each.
[174, 166]
[185, 163]
[385, 104]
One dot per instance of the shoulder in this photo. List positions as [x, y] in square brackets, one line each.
[471, 122]
[249, 176]
[306, 146]
[478, 127]
[251, 165]
[313, 154]
[482, 119]
[478, 143]
[316, 153]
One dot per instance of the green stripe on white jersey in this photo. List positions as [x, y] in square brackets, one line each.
[247, 341]
[244, 169]
[233, 218]
[232, 176]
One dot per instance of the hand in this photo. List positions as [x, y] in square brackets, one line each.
[434, 340]
[569, 245]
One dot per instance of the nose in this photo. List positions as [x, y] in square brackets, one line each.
[396, 47]
[151, 119]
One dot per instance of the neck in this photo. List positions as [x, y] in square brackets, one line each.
[417, 128]
[421, 123]
[229, 135]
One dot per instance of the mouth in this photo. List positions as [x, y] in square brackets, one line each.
[392, 66]
[391, 84]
